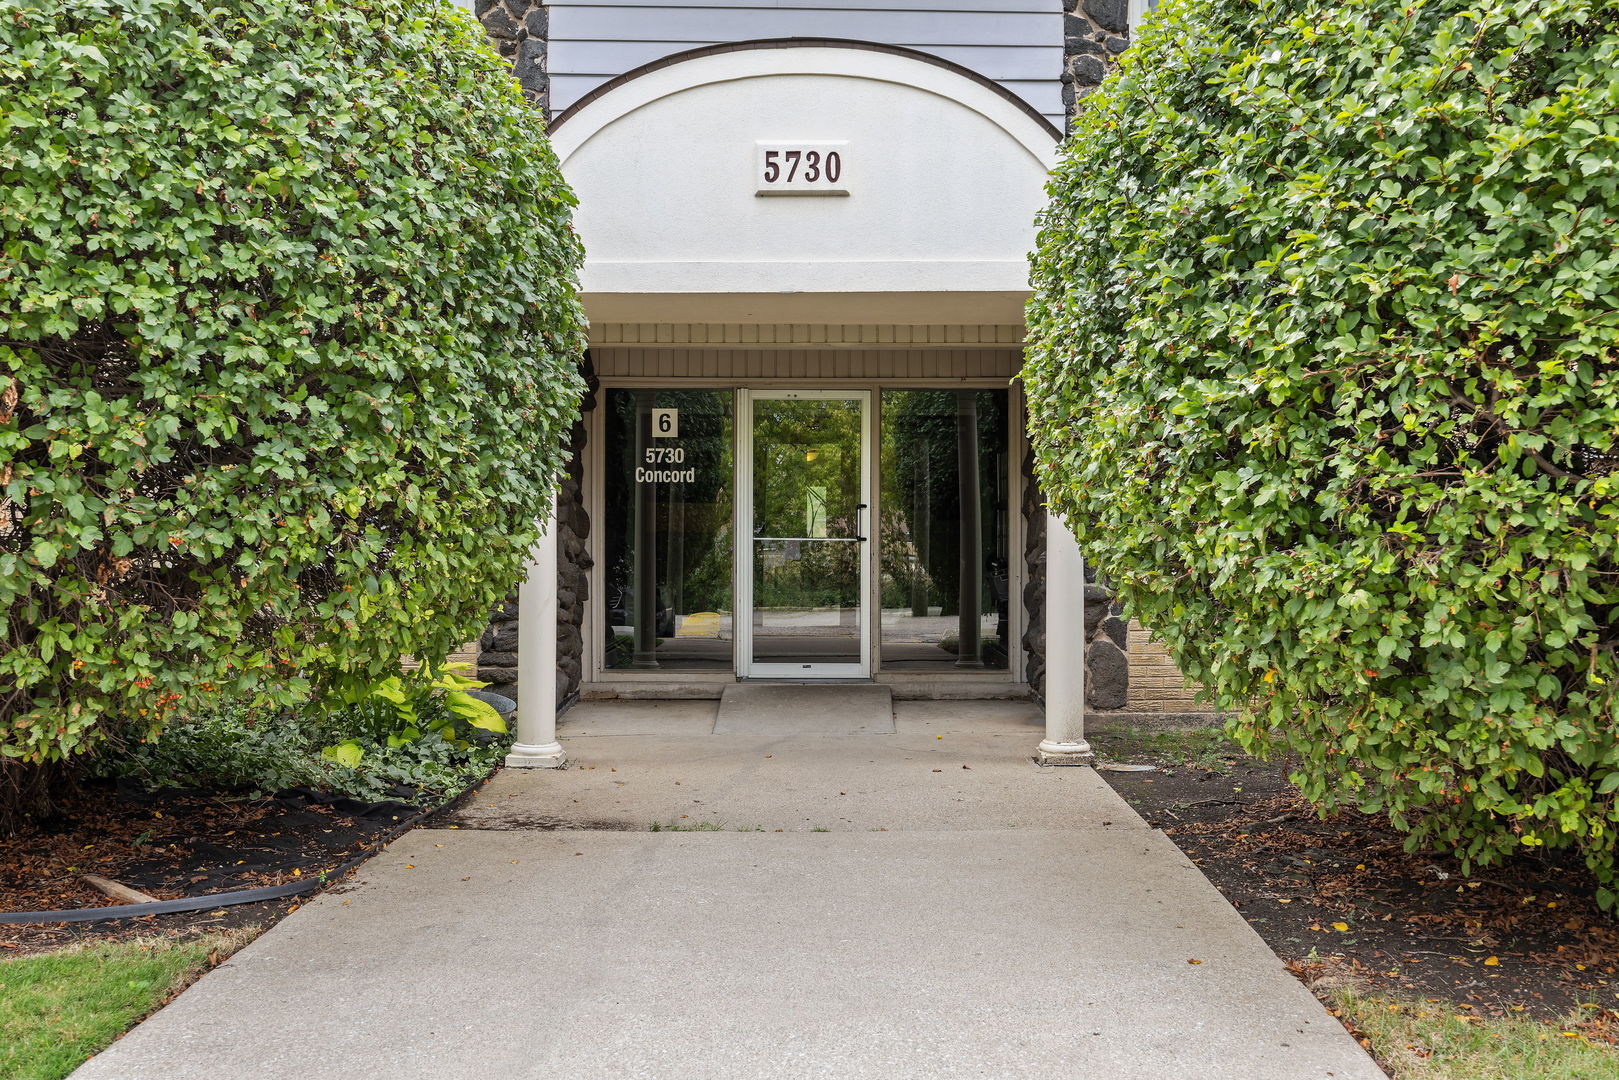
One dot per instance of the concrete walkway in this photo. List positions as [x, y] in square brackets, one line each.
[965, 914]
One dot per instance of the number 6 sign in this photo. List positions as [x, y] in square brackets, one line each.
[665, 423]
[800, 168]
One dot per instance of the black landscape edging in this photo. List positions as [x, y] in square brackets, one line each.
[237, 896]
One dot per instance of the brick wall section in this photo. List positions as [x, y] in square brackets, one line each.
[1156, 684]
[466, 654]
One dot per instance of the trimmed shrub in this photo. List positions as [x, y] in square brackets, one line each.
[289, 327]
[1322, 368]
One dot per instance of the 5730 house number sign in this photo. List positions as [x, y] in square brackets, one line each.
[801, 168]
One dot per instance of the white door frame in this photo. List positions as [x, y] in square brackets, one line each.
[746, 667]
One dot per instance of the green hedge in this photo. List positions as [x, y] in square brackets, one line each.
[288, 319]
[1322, 369]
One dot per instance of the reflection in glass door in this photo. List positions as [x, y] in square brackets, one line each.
[805, 490]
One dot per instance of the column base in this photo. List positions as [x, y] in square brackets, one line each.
[544, 756]
[1064, 753]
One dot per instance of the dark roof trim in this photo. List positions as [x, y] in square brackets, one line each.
[804, 43]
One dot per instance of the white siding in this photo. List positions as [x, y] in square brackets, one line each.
[1017, 43]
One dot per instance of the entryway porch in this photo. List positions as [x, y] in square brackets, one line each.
[680, 904]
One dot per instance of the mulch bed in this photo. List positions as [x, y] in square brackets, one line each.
[1342, 898]
[177, 844]
[1334, 899]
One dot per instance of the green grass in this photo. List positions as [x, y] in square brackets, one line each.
[1197, 748]
[59, 1008]
[1415, 1040]
[694, 826]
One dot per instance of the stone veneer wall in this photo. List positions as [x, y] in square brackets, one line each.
[1124, 667]
[1108, 666]
[497, 660]
[518, 29]
[1094, 33]
[1034, 580]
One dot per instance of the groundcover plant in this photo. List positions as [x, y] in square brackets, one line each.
[289, 333]
[1322, 371]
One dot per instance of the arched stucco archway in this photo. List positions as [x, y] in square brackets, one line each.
[910, 272]
[944, 170]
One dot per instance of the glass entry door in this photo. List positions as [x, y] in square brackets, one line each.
[805, 513]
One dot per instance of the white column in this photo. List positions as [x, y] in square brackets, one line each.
[1064, 743]
[537, 746]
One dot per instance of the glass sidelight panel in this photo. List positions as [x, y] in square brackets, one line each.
[808, 520]
[944, 537]
[667, 534]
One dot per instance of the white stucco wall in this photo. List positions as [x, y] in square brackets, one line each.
[945, 178]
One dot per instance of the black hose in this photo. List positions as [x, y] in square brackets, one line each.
[224, 899]
[164, 907]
